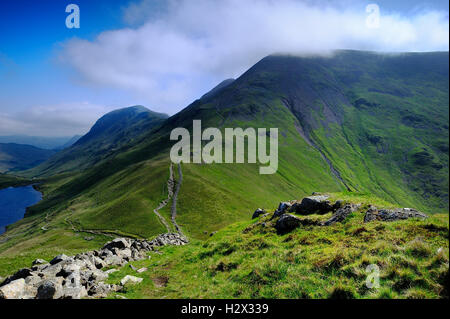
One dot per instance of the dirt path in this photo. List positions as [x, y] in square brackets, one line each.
[174, 201]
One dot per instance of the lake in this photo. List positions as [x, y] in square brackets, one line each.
[13, 203]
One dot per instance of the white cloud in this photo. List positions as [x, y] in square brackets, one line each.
[181, 51]
[55, 120]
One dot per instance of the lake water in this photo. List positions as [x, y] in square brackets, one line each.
[14, 201]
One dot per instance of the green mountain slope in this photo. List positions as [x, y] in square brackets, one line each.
[111, 132]
[15, 157]
[361, 121]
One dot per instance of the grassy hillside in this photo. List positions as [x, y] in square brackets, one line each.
[369, 123]
[250, 260]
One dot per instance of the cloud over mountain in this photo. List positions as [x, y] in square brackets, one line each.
[174, 53]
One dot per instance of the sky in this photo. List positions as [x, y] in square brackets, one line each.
[164, 54]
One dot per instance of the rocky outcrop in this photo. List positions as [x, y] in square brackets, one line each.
[392, 214]
[341, 214]
[75, 277]
[317, 204]
[320, 204]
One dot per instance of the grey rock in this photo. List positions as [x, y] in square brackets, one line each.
[101, 290]
[114, 261]
[120, 243]
[13, 290]
[130, 280]
[392, 214]
[141, 270]
[283, 207]
[59, 259]
[74, 292]
[286, 223]
[38, 262]
[49, 289]
[318, 204]
[341, 214]
[258, 212]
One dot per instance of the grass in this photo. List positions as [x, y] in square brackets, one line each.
[249, 260]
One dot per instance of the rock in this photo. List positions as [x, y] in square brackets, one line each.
[33, 280]
[110, 271]
[13, 290]
[282, 208]
[318, 204]
[49, 289]
[38, 262]
[120, 243]
[141, 270]
[50, 271]
[88, 238]
[101, 290]
[338, 204]
[212, 234]
[20, 274]
[130, 280]
[59, 259]
[341, 214]
[133, 268]
[286, 223]
[124, 254]
[392, 214]
[114, 261]
[258, 212]
[92, 276]
[74, 292]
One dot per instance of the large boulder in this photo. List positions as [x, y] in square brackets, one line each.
[287, 223]
[20, 274]
[49, 289]
[119, 243]
[60, 258]
[16, 289]
[317, 204]
[392, 214]
[341, 214]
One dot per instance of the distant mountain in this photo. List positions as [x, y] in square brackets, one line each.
[49, 143]
[111, 132]
[15, 157]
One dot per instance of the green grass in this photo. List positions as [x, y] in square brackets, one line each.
[249, 260]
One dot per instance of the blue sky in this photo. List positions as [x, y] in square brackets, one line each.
[57, 81]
